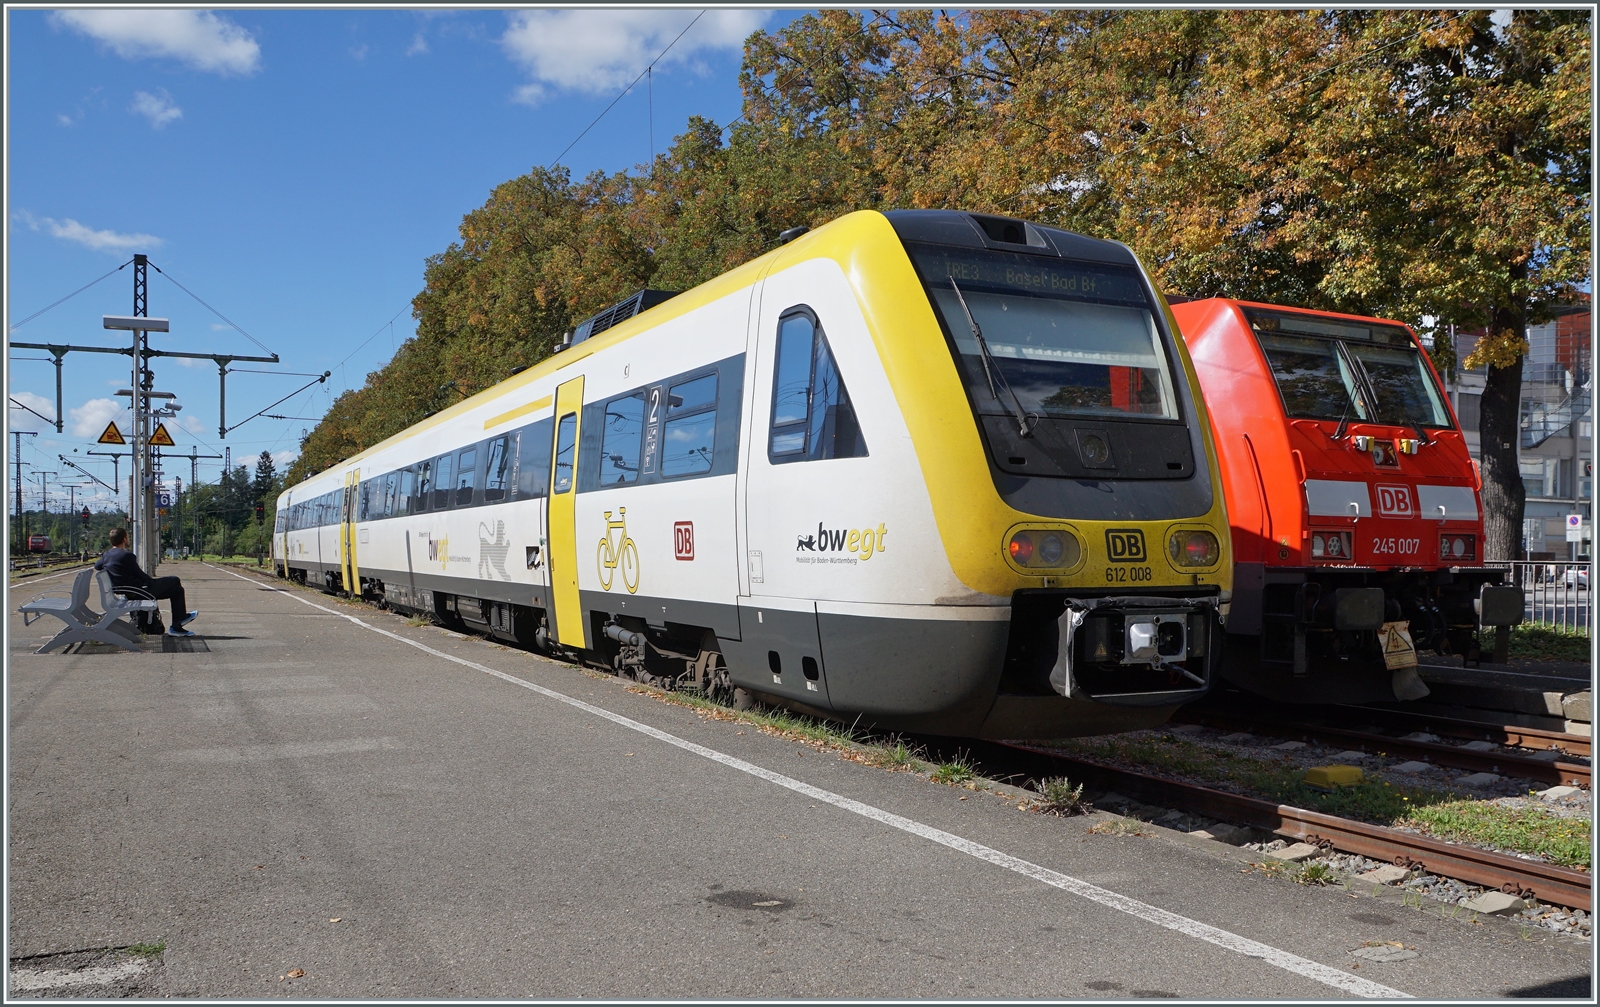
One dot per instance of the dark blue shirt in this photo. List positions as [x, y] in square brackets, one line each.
[123, 567]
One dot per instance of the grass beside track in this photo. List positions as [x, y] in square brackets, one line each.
[1439, 813]
[1538, 642]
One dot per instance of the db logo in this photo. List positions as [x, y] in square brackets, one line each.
[1125, 545]
[683, 539]
[1395, 501]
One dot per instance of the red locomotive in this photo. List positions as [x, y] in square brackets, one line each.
[38, 543]
[1357, 527]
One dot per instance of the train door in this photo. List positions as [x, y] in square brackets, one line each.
[349, 572]
[779, 618]
[561, 517]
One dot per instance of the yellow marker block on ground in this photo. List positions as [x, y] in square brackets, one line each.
[1332, 776]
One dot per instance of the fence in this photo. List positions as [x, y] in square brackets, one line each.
[1557, 594]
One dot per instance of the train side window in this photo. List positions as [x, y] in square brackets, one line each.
[497, 468]
[390, 483]
[690, 437]
[466, 476]
[364, 508]
[424, 496]
[441, 481]
[533, 461]
[566, 443]
[624, 431]
[812, 416]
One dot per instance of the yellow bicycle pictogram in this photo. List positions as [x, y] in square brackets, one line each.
[624, 553]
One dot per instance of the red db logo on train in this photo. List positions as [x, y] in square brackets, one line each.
[683, 539]
[1395, 501]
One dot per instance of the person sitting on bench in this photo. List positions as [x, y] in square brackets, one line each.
[124, 569]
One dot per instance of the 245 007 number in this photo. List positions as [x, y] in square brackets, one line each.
[1128, 574]
[1396, 546]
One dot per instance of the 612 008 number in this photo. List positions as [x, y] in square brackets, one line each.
[1128, 574]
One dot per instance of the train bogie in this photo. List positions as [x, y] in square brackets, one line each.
[810, 479]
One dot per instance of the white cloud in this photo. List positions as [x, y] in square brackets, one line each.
[65, 120]
[283, 458]
[358, 51]
[20, 418]
[88, 237]
[193, 424]
[159, 109]
[199, 39]
[89, 420]
[600, 50]
[419, 46]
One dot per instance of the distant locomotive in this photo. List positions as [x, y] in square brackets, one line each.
[929, 470]
[38, 543]
[1352, 500]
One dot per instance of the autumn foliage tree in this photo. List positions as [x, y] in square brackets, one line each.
[1430, 166]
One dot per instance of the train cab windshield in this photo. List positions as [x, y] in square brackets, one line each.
[1067, 339]
[1330, 369]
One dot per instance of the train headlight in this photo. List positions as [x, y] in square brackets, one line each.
[1193, 547]
[1458, 546]
[1021, 548]
[1044, 549]
[1332, 546]
[1051, 550]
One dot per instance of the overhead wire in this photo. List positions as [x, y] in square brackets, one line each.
[209, 308]
[625, 91]
[67, 298]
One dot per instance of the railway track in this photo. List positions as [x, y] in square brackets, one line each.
[1498, 762]
[1470, 730]
[1527, 878]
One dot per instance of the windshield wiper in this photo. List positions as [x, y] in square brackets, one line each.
[1025, 421]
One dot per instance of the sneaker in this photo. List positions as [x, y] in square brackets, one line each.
[188, 617]
[179, 631]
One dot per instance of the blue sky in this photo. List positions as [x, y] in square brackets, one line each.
[293, 169]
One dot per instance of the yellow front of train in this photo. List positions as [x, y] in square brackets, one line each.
[1067, 453]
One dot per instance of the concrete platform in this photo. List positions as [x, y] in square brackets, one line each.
[332, 803]
[1504, 695]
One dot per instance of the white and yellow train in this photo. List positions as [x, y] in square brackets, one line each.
[935, 471]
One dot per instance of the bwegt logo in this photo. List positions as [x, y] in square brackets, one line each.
[861, 541]
[1125, 545]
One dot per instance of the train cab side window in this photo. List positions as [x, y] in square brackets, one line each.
[566, 443]
[812, 417]
[466, 476]
[619, 449]
[690, 438]
[497, 468]
[442, 485]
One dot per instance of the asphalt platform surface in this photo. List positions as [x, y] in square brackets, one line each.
[477, 838]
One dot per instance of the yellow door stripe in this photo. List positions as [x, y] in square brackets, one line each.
[570, 625]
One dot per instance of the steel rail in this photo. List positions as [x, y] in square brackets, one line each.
[1520, 766]
[1503, 734]
[1514, 875]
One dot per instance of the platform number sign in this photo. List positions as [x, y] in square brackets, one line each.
[683, 540]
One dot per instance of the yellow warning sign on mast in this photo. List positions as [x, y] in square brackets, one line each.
[112, 435]
[162, 439]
